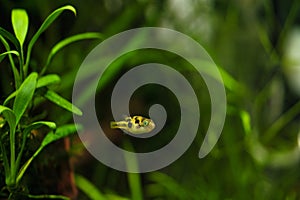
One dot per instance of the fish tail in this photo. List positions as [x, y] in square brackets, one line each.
[118, 124]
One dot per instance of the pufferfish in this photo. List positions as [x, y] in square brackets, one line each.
[134, 125]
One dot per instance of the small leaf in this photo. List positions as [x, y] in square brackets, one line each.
[19, 20]
[60, 101]
[24, 95]
[47, 80]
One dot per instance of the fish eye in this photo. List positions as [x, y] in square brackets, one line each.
[146, 122]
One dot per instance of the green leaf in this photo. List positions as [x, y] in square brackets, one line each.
[26, 132]
[134, 179]
[24, 95]
[13, 66]
[60, 132]
[19, 20]
[60, 101]
[88, 188]
[48, 21]
[2, 55]
[9, 116]
[36, 125]
[48, 196]
[10, 37]
[46, 80]
[68, 41]
[11, 119]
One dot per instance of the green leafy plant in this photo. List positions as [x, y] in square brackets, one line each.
[15, 122]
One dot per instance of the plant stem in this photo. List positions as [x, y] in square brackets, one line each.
[12, 158]
[26, 165]
[5, 161]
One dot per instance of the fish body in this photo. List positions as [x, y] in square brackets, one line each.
[134, 125]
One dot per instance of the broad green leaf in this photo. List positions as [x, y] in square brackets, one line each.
[41, 82]
[19, 19]
[60, 101]
[60, 132]
[47, 80]
[88, 188]
[48, 21]
[24, 95]
[10, 37]
[68, 41]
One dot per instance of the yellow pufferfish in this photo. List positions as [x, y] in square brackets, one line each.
[134, 125]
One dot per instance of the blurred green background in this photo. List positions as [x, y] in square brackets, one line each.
[255, 43]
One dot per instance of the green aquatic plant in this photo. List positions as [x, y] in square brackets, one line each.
[16, 124]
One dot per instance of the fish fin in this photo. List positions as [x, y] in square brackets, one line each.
[113, 125]
[120, 124]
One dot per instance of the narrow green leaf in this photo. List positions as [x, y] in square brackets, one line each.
[48, 196]
[19, 19]
[2, 55]
[13, 66]
[88, 188]
[60, 101]
[282, 121]
[9, 116]
[134, 179]
[24, 95]
[26, 132]
[67, 41]
[10, 37]
[37, 125]
[46, 80]
[60, 132]
[48, 21]
[11, 119]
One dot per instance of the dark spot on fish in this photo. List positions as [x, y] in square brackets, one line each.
[129, 125]
[137, 121]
